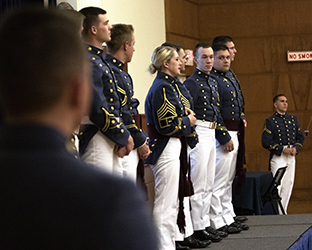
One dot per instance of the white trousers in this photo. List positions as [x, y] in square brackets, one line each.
[287, 183]
[203, 160]
[100, 152]
[222, 211]
[166, 174]
[129, 165]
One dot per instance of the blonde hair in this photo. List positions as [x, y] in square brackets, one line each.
[160, 55]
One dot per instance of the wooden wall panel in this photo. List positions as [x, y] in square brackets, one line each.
[309, 102]
[250, 19]
[186, 43]
[263, 32]
[281, 44]
[221, 2]
[257, 161]
[290, 17]
[283, 87]
[181, 18]
[193, 1]
[254, 130]
[300, 88]
[303, 173]
[253, 56]
[257, 90]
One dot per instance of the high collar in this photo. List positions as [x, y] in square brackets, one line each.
[279, 114]
[115, 61]
[219, 72]
[167, 77]
[94, 50]
[201, 73]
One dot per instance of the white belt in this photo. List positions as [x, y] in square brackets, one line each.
[207, 124]
[288, 146]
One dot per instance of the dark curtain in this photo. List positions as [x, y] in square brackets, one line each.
[52, 2]
[7, 5]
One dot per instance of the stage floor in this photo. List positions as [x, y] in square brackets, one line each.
[267, 232]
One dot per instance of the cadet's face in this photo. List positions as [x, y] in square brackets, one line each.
[222, 60]
[204, 59]
[103, 29]
[281, 104]
[174, 65]
[182, 57]
[232, 50]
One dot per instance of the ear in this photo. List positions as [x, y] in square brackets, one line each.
[166, 64]
[93, 29]
[195, 60]
[126, 45]
[275, 105]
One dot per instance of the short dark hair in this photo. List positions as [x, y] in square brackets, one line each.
[65, 6]
[40, 53]
[275, 98]
[176, 46]
[91, 18]
[219, 46]
[200, 45]
[222, 39]
[120, 33]
[76, 15]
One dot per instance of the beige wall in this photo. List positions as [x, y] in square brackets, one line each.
[148, 19]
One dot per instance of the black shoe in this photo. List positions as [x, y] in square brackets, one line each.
[230, 229]
[244, 226]
[240, 225]
[195, 243]
[240, 219]
[221, 234]
[203, 235]
[179, 247]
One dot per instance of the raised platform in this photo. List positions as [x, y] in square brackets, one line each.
[267, 232]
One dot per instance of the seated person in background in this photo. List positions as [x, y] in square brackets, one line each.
[282, 136]
[49, 199]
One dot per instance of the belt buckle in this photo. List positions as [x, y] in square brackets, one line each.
[213, 125]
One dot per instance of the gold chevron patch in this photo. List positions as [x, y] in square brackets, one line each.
[166, 113]
[266, 129]
[124, 96]
[109, 119]
[185, 101]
